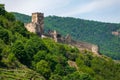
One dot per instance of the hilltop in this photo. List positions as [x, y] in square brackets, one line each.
[94, 32]
[26, 56]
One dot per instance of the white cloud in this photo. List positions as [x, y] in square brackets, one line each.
[92, 6]
[72, 8]
[57, 7]
[29, 6]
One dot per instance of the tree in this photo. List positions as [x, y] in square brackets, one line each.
[10, 16]
[59, 69]
[77, 76]
[4, 35]
[19, 51]
[19, 27]
[2, 9]
[33, 45]
[55, 77]
[40, 55]
[43, 68]
[2, 46]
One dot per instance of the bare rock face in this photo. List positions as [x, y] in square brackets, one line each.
[37, 24]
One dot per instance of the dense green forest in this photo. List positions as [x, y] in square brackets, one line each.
[22, 17]
[98, 33]
[25, 56]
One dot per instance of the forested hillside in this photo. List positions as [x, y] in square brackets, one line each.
[89, 31]
[98, 33]
[22, 17]
[25, 56]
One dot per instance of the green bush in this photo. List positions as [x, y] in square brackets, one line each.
[55, 77]
[77, 76]
[19, 51]
[4, 35]
[2, 9]
[43, 68]
[40, 56]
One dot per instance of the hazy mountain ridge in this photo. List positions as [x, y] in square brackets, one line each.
[95, 32]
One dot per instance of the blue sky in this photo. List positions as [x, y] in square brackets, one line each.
[98, 10]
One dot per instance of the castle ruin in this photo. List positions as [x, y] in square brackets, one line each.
[37, 26]
[116, 33]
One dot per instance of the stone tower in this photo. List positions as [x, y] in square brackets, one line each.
[37, 24]
[37, 17]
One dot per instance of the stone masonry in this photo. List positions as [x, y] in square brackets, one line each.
[85, 46]
[37, 24]
[116, 33]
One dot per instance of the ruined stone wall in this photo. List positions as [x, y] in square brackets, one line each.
[116, 33]
[68, 40]
[85, 46]
[31, 27]
[95, 49]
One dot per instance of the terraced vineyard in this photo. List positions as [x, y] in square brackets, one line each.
[18, 74]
